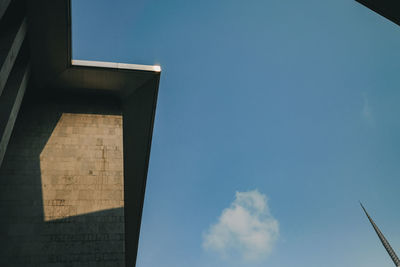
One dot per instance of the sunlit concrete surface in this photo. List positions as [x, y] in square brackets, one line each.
[50, 130]
[81, 166]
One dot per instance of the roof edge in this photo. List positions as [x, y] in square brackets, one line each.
[115, 65]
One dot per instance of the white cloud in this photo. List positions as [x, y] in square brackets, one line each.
[246, 228]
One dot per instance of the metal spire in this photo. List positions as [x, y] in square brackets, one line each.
[385, 243]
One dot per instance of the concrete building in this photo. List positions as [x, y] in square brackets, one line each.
[75, 144]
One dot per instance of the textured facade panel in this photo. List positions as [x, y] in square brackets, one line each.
[61, 181]
[81, 166]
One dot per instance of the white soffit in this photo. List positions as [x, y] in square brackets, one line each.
[114, 65]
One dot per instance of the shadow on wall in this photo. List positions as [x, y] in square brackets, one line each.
[69, 213]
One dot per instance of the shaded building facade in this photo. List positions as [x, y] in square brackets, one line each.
[75, 144]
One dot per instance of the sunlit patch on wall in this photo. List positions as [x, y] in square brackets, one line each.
[82, 166]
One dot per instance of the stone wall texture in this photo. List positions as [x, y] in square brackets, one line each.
[61, 185]
[81, 166]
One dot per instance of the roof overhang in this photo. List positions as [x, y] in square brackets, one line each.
[52, 64]
[390, 9]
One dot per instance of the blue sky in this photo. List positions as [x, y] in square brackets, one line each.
[295, 102]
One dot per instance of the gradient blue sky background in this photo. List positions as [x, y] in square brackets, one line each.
[295, 99]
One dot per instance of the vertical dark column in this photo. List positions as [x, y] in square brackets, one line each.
[3, 7]
[138, 117]
[14, 67]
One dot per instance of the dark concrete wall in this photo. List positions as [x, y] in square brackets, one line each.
[29, 236]
[14, 66]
